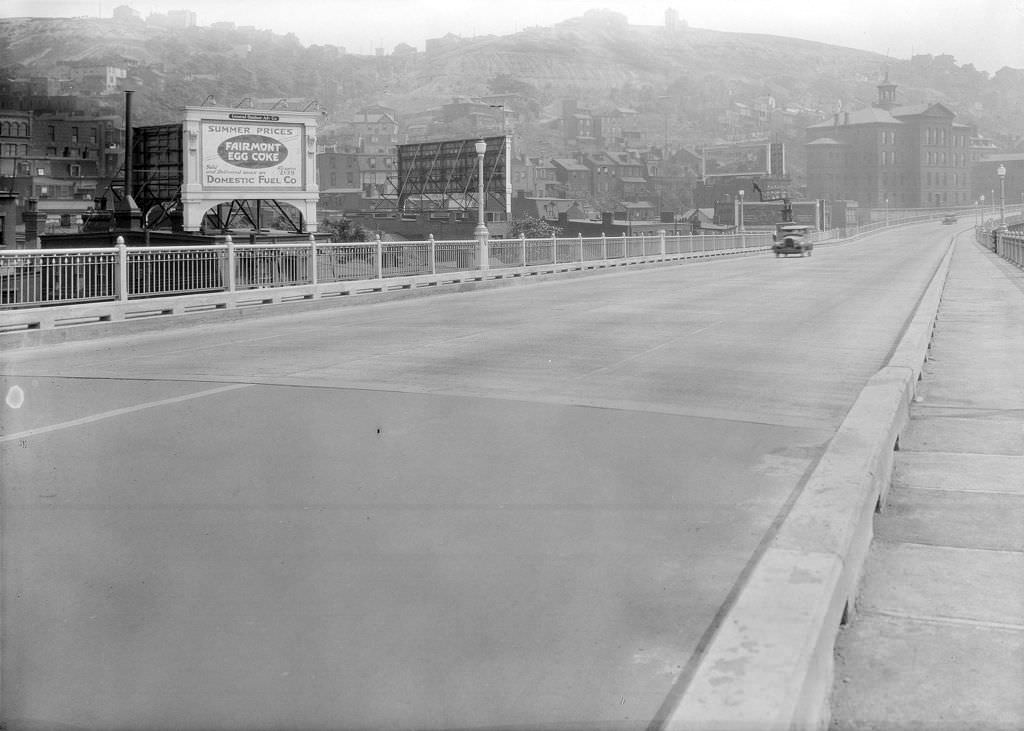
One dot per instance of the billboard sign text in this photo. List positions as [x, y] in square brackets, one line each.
[242, 154]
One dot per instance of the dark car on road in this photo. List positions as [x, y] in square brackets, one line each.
[792, 238]
[949, 219]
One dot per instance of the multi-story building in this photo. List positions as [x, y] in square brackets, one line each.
[93, 78]
[376, 130]
[887, 154]
[575, 178]
[63, 160]
[377, 171]
[992, 192]
[338, 170]
[15, 142]
[71, 138]
[340, 180]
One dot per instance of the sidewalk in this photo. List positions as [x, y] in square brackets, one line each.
[937, 641]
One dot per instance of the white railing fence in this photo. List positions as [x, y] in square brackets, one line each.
[43, 277]
[1004, 236]
[44, 288]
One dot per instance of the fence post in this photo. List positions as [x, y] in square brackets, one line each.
[554, 249]
[433, 253]
[482, 237]
[661, 236]
[604, 247]
[522, 241]
[314, 277]
[378, 258]
[232, 273]
[579, 239]
[122, 270]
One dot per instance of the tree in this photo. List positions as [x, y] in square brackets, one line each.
[345, 229]
[533, 228]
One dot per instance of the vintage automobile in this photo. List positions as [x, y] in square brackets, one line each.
[949, 219]
[792, 238]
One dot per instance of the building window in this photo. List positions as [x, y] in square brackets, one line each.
[74, 134]
[52, 131]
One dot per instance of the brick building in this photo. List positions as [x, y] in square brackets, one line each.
[887, 154]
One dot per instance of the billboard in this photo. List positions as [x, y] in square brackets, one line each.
[234, 158]
[750, 159]
[765, 215]
[242, 153]
[445, 175]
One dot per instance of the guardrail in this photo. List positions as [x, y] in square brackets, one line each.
[1010, 246]
[54, 288]
[51, 288]
[43, 277]
[1006, 239]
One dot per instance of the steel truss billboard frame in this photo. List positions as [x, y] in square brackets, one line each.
[444, 176]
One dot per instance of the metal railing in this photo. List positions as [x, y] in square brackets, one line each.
[1010, 246]
[1004, 237]
[41, 277]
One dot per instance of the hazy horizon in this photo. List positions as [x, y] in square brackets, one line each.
[986, 34]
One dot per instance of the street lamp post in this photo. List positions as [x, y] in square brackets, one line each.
[1001, 172]
[741, 221]
[886, 211]
[480, 232]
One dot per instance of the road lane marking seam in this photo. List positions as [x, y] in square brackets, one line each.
[119, 412]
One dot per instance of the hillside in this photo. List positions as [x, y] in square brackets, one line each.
[597, 59]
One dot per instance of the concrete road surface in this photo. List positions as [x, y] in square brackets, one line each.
[517, 508]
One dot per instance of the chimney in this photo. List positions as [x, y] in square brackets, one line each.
[35, 220]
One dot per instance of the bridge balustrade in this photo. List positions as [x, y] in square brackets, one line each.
[41, 277]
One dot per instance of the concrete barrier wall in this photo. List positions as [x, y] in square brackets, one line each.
[770, 664]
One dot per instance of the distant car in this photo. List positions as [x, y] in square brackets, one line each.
[949, 219]
[792, 238]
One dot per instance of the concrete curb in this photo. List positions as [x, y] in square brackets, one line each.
[770, 664]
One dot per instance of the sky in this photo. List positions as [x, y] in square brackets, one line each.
[985, 33]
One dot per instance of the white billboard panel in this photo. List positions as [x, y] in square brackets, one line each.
[251, 155]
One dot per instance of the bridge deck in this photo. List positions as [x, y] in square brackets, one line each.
[521, 507]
